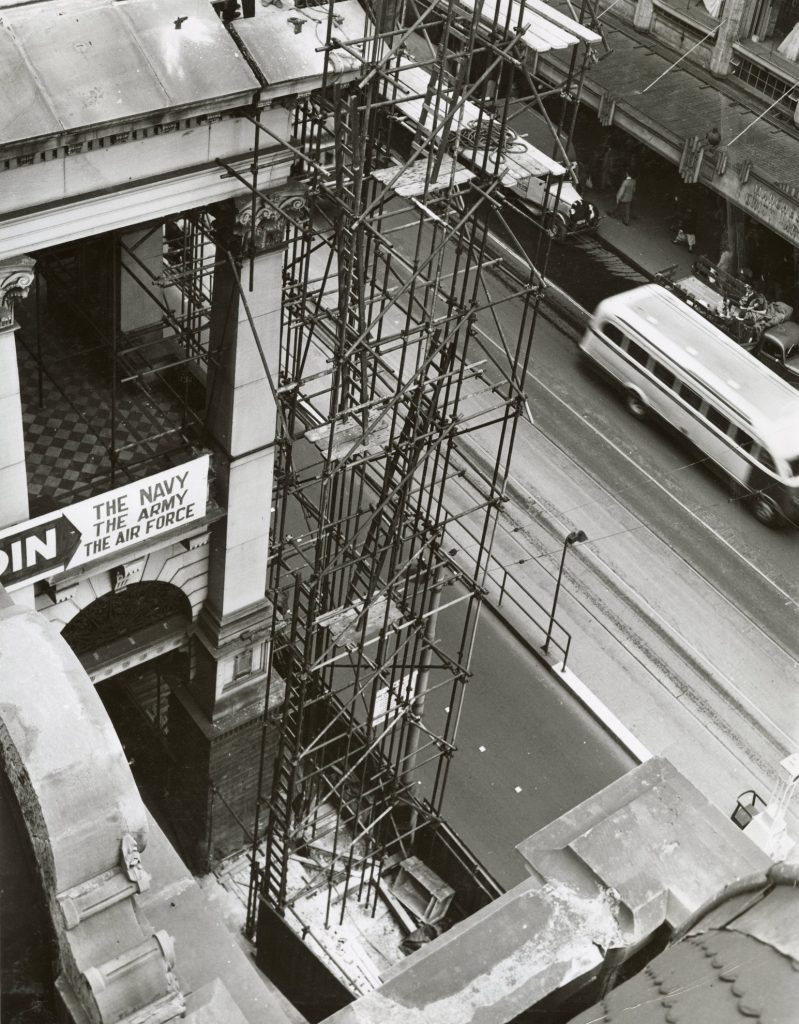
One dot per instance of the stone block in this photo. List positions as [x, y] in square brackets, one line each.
[249, 498]
[9, 373]
[253, 418]
[245, 575]
[13, 492]
[13, 446]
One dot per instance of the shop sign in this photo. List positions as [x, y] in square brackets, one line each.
[103, 525]
[780, 212]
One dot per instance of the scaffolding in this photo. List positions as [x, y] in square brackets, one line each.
[131, 397]
[403, 356]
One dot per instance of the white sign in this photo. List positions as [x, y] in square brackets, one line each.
[393, 700]
[103, 525]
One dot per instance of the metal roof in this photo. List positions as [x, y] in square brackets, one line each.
[67, 66]
[744, 970]
[285, 43]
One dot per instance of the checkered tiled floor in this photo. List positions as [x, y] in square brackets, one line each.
[68, 434]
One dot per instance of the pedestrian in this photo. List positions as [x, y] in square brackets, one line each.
[674, 219]
[625, 195]
[601, 166]
[583, 176]
[687, 229]
[726, 262]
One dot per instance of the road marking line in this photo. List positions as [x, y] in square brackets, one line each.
[653, 480]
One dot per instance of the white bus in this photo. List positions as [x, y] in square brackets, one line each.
[671, 361]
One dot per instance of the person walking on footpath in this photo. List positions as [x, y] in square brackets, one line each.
[625, 195]
[687, 230]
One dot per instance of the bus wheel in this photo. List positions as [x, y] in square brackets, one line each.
[636, 405]
[765, 510]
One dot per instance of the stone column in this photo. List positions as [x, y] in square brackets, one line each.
[141, 256]
[230, 644]
[644, 15]
[16, 277]
[729, 30]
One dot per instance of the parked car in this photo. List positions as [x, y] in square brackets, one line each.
[567, 212]
[778, 349]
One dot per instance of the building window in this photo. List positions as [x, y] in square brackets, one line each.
[242, 664]
[689, 18]
[774, 29]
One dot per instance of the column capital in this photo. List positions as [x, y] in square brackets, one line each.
[268, 230]
[16, 277]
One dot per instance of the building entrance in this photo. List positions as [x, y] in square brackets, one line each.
[134, 646]
[129, 627]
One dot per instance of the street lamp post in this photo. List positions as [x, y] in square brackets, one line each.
[575, 537]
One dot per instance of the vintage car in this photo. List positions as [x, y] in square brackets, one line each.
[727, 302]
[778, 348]
[567, 213]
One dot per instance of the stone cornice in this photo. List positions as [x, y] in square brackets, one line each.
[121, 207]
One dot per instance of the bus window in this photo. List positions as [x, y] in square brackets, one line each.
[742, 439]
[637, 353]
[764, 458]
[690, 396]
[612, 332]
[663, 374]
[717, 419]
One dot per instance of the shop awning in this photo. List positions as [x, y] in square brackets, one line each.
[673, 108]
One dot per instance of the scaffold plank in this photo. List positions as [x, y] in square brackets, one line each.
[428, 109]
[413, 179]
[344, 624]
[350, 438]
[541, 31]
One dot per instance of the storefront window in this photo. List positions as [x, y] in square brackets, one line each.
[775, 26]
[706, 12]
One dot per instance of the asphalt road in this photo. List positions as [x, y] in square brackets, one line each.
[665, 483]
[527, 751]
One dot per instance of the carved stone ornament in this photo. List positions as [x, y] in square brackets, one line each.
[269, 230]
[16, 277]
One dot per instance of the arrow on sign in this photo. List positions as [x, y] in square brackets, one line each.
[37, 550]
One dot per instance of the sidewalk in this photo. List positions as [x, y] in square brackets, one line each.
[647, 240]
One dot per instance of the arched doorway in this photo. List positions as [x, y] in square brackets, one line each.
[129, 627]
[134, 646]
